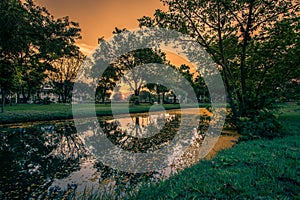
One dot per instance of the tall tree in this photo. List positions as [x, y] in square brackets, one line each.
[274, 63]
[50, 39]
[12, 24]
[107, 83]
[227, 30]
[123, 68]
[134, 78]
[63, 75]
[31, 39]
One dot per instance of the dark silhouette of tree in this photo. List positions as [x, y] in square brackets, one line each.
[158, 89]
[31, 40]
[64, 74]
[122, 69]
[107, 83]
[127, 63]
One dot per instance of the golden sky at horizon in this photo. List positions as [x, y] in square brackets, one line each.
[98, 18]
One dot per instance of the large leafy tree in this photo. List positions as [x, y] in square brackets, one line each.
[63, 76]
[12, 23]
[127, 62]
[122, 69]
[107, 82]
[236, 33]
[31, 39]
[275, 63]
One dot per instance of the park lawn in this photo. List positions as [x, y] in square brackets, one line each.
[257, 169]
[290, 113]
[34, 112]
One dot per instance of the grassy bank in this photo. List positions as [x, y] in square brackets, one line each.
[258, 169]
[33, 112]
[252, 170]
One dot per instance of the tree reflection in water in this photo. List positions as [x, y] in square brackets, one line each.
[144, 134]
[36, 157]
[126, 138]
[31, 157]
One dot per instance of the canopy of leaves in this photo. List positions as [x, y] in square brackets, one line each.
[30, 38]
[254, 42]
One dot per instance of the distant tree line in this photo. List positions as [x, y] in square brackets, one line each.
[121, 70]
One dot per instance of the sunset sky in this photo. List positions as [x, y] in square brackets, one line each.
[99, 17]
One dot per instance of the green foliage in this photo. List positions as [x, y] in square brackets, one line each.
[255, 44]
[30, 40]
[261, 124]
[44, 101]
[260, 169]
[63, 75]
[134, 99]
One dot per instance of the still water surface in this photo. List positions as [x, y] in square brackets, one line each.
[48, 160]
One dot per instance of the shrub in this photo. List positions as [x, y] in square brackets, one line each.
[206, 100]
[134, 99]
[45, 101]
[260, 124]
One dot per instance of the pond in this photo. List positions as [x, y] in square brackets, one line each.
[50, 160]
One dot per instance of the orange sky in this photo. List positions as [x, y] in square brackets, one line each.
[99, 17]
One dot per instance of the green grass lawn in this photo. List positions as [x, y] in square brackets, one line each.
[289, 114]
[253, 170]
[33, 112]
[258, 169]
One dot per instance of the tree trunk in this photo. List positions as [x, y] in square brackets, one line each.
[64, 98]
[28, 94]
[137, 94]
[26, 97]
[226, 71]
[103, 97]
[246, 38]
[3, 100]
[18, 98]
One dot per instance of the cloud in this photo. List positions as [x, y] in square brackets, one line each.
[85, 48]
